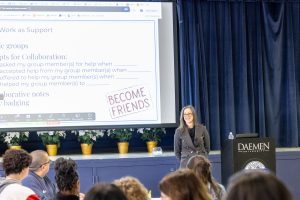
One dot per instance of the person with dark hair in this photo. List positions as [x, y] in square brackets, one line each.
[191, 138]
[105, 191]
[202, 168]
[37, 178]
[183, 184]
[132, 188]
[256, 184]
[16, 166]
[67, 179]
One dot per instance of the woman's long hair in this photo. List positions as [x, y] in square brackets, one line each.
[183, 184]
[66, 175]
[202, 168]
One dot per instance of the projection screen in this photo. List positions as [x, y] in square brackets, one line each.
[87, 64]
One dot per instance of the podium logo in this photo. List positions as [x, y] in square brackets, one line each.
[254, 147]
[255, 165]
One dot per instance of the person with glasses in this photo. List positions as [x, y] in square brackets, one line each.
[37, 178]
[191, 138]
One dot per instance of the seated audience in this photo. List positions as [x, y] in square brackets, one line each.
[105, 191]
[132, 188]
[16, 166]
[37, 179]
[255, 184]
[183, 184]
[67, 179]
[202, 168]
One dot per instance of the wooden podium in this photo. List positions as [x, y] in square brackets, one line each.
[247, 153]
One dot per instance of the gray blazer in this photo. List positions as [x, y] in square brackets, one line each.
[184, 148]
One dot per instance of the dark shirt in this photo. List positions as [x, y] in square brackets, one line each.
[192, 134]
[60, 196]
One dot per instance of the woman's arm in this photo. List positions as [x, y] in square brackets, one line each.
[206, 140]
[177, 144]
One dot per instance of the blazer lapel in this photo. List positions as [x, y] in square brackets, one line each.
[197, 136]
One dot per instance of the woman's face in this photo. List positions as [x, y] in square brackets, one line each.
[188, 116]
[163, 196]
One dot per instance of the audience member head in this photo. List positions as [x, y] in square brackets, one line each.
[255, 184]
[202, 168]
[66, 176]
[40, 162]
[183, 184]
[132, 188]
[105, 191]
[16, 162]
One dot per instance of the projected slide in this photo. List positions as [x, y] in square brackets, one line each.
[76, 64]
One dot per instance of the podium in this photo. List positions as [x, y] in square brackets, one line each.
[247, 153]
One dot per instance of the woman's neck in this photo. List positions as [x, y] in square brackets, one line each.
[190, 125]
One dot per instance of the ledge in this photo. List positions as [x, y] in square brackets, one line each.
[103, 156]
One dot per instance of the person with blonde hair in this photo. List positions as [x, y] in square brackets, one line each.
[132, 188]
[202, 168]
[190, 138]
[183, 184]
